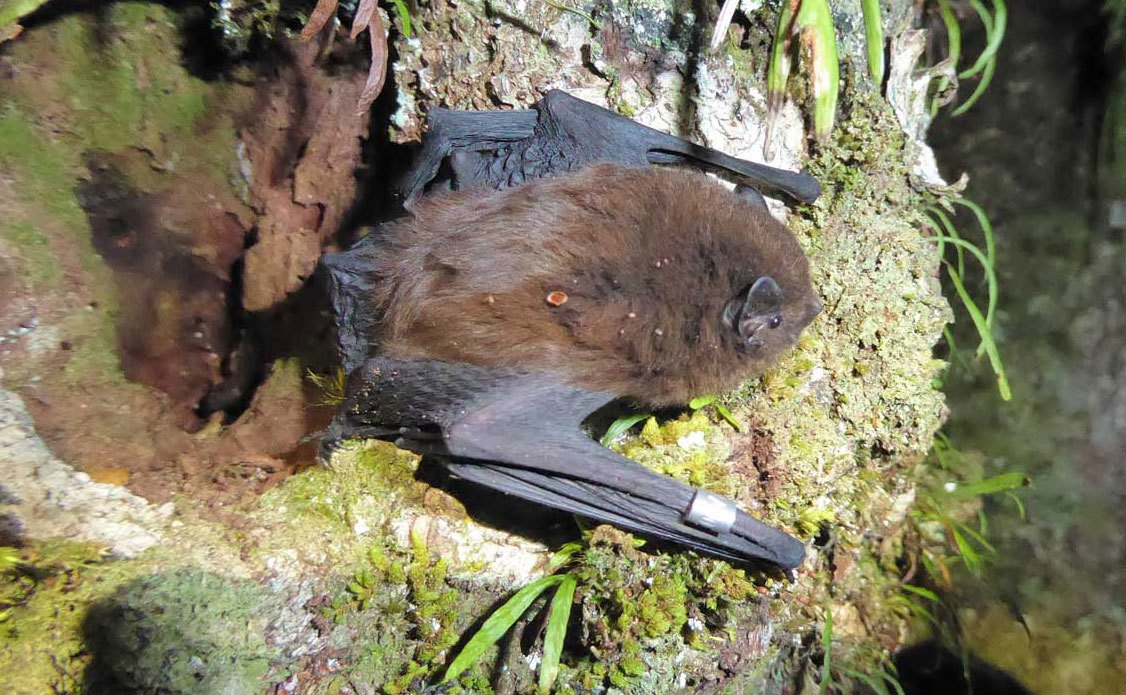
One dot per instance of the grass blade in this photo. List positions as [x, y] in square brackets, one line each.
[815, 22]
[953, 51]
[701, 401]
[556, 630]
[498, 624]
[998, 483]
[948, 226]
[620, 426]
[404, 16]
[726, 415]
[1020, 505]
[986, 229]
[969, 555]
[563, 555]
[995, 37]
[874, 37]
[827, 647]
[921, 591]
[986, 78]
[986, 334]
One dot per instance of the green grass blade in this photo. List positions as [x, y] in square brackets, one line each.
[996, 36]
[498, 624]
[874, 37]
[726, 415]
[701, 401]
[827, 647]
[892, 679]
[969, 555]
[620, 426]
[556, 631]
[404, 16]
[563, 555]
[998, 483]
[990, 278]
[976, 536]
[915, 608]
[986, 334]
[815, 20]
[953, 49]
[987, 22]
[986, 229]
[982, 85]
[1020, 505]
[704, 401]
[948, 227]
[921, 591]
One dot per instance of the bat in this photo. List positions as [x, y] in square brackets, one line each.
[545, 270]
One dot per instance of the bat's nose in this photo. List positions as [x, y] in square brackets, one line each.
[813, 308]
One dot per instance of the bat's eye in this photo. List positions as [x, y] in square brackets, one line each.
[775, 321]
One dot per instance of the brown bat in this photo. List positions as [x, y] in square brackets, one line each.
[487, 324]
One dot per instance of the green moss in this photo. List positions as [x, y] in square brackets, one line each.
[180, 632]
[362, 479]
[690, 448]
[69, 611]
[131, 90]
[118, 84]
[43, 271]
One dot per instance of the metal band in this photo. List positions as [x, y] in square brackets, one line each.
[710, 512]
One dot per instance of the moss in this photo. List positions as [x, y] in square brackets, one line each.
[116, 84]
[690, 448]
[76, 619]
[181, 632]
[364, 479]
[43, 273]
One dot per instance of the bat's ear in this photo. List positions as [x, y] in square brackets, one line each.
[754, 308]
[763, 297]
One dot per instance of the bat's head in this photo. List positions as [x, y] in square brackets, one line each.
[765, 318]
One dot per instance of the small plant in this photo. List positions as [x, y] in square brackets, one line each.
[332, 386]
[810, 22]
[945, 234]
[995, 22]
[945, 539]
[503, 618]
[842, 674]
[626, 422]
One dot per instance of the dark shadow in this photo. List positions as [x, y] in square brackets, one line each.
[932, 669]
[500, 511]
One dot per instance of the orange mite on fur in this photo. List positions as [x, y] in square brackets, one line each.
[557, 298]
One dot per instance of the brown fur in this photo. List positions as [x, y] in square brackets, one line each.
[647, 258]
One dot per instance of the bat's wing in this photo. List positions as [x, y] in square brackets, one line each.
[500, 149]
[352, 283]
[520, 433]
